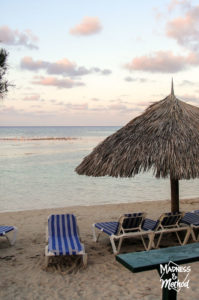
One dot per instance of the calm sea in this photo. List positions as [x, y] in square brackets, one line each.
[38, 172]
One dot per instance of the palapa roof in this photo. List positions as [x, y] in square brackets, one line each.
[165, 138]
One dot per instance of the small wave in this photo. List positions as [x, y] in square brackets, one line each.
[22, 139]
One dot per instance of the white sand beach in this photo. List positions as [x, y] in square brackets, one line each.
[22, 272]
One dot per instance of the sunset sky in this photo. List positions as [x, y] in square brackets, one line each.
[96, 62]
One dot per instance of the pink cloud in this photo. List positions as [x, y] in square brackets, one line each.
[32, 97]
[175, 3]
[88, 26]
[61, 67]
[185, 30]
[28, 63]
[142, 103]
[163, 61]
[9, 36]
[59, 83]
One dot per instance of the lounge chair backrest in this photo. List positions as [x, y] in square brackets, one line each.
[130, 222]
[168, 220]
[190, 218]
[63, 233]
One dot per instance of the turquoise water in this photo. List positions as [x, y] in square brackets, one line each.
[38, 174]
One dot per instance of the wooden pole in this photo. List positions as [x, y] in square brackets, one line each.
[174, 195]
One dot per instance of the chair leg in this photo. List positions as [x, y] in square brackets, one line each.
[113, 245]
[14, 237]
[193, 234]
[159, 240]
[119, 245]
[95, 238]
[46, 256]
[143, 242]
[85, 259]
[94, 234]
[188, 233]
[151, 243]
[178, 237]
[197, 235]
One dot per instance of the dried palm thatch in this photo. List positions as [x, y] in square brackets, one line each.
[165, 138]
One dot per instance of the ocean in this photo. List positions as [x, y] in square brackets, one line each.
[37, 171]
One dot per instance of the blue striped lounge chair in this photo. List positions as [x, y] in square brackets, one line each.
[167, 222]
[128, 226]
[63, 237]
[5, 232]
[192, 220]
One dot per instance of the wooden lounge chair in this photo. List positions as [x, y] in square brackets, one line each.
[192, 220]
[63, 237]
[167, 222]
[4, 232]
[128, 226]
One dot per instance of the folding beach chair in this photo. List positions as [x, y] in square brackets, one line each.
[63, 237]
[4, 232]
[128, 226]
[192, 220]
[167, 222]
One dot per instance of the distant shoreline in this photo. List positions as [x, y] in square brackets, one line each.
[22, 139]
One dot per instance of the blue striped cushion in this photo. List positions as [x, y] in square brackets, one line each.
[108, 227]
[170, 219]
[133, 220]
[5, 229]
[190, 219]
[63, 236]
[150, 224]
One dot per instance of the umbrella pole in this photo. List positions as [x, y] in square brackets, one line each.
[174, 195]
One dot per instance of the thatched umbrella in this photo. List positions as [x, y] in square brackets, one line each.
[165, 138]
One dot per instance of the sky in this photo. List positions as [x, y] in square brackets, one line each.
[85, 63]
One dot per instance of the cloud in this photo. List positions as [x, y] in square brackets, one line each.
[178, 3]
[61, 67]
[95, 99]
[143, 103]
[118, 107]
[36, 106]
[163, 61]
[88, 26]
[130, 79]
[83, 106]
[31, 97]
[105, 72]
[28, 63]
[12, 37]
[186, 82]
[59, 83]
[185, 30]
[191, 99]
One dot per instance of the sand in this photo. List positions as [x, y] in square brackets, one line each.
[23, 275]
